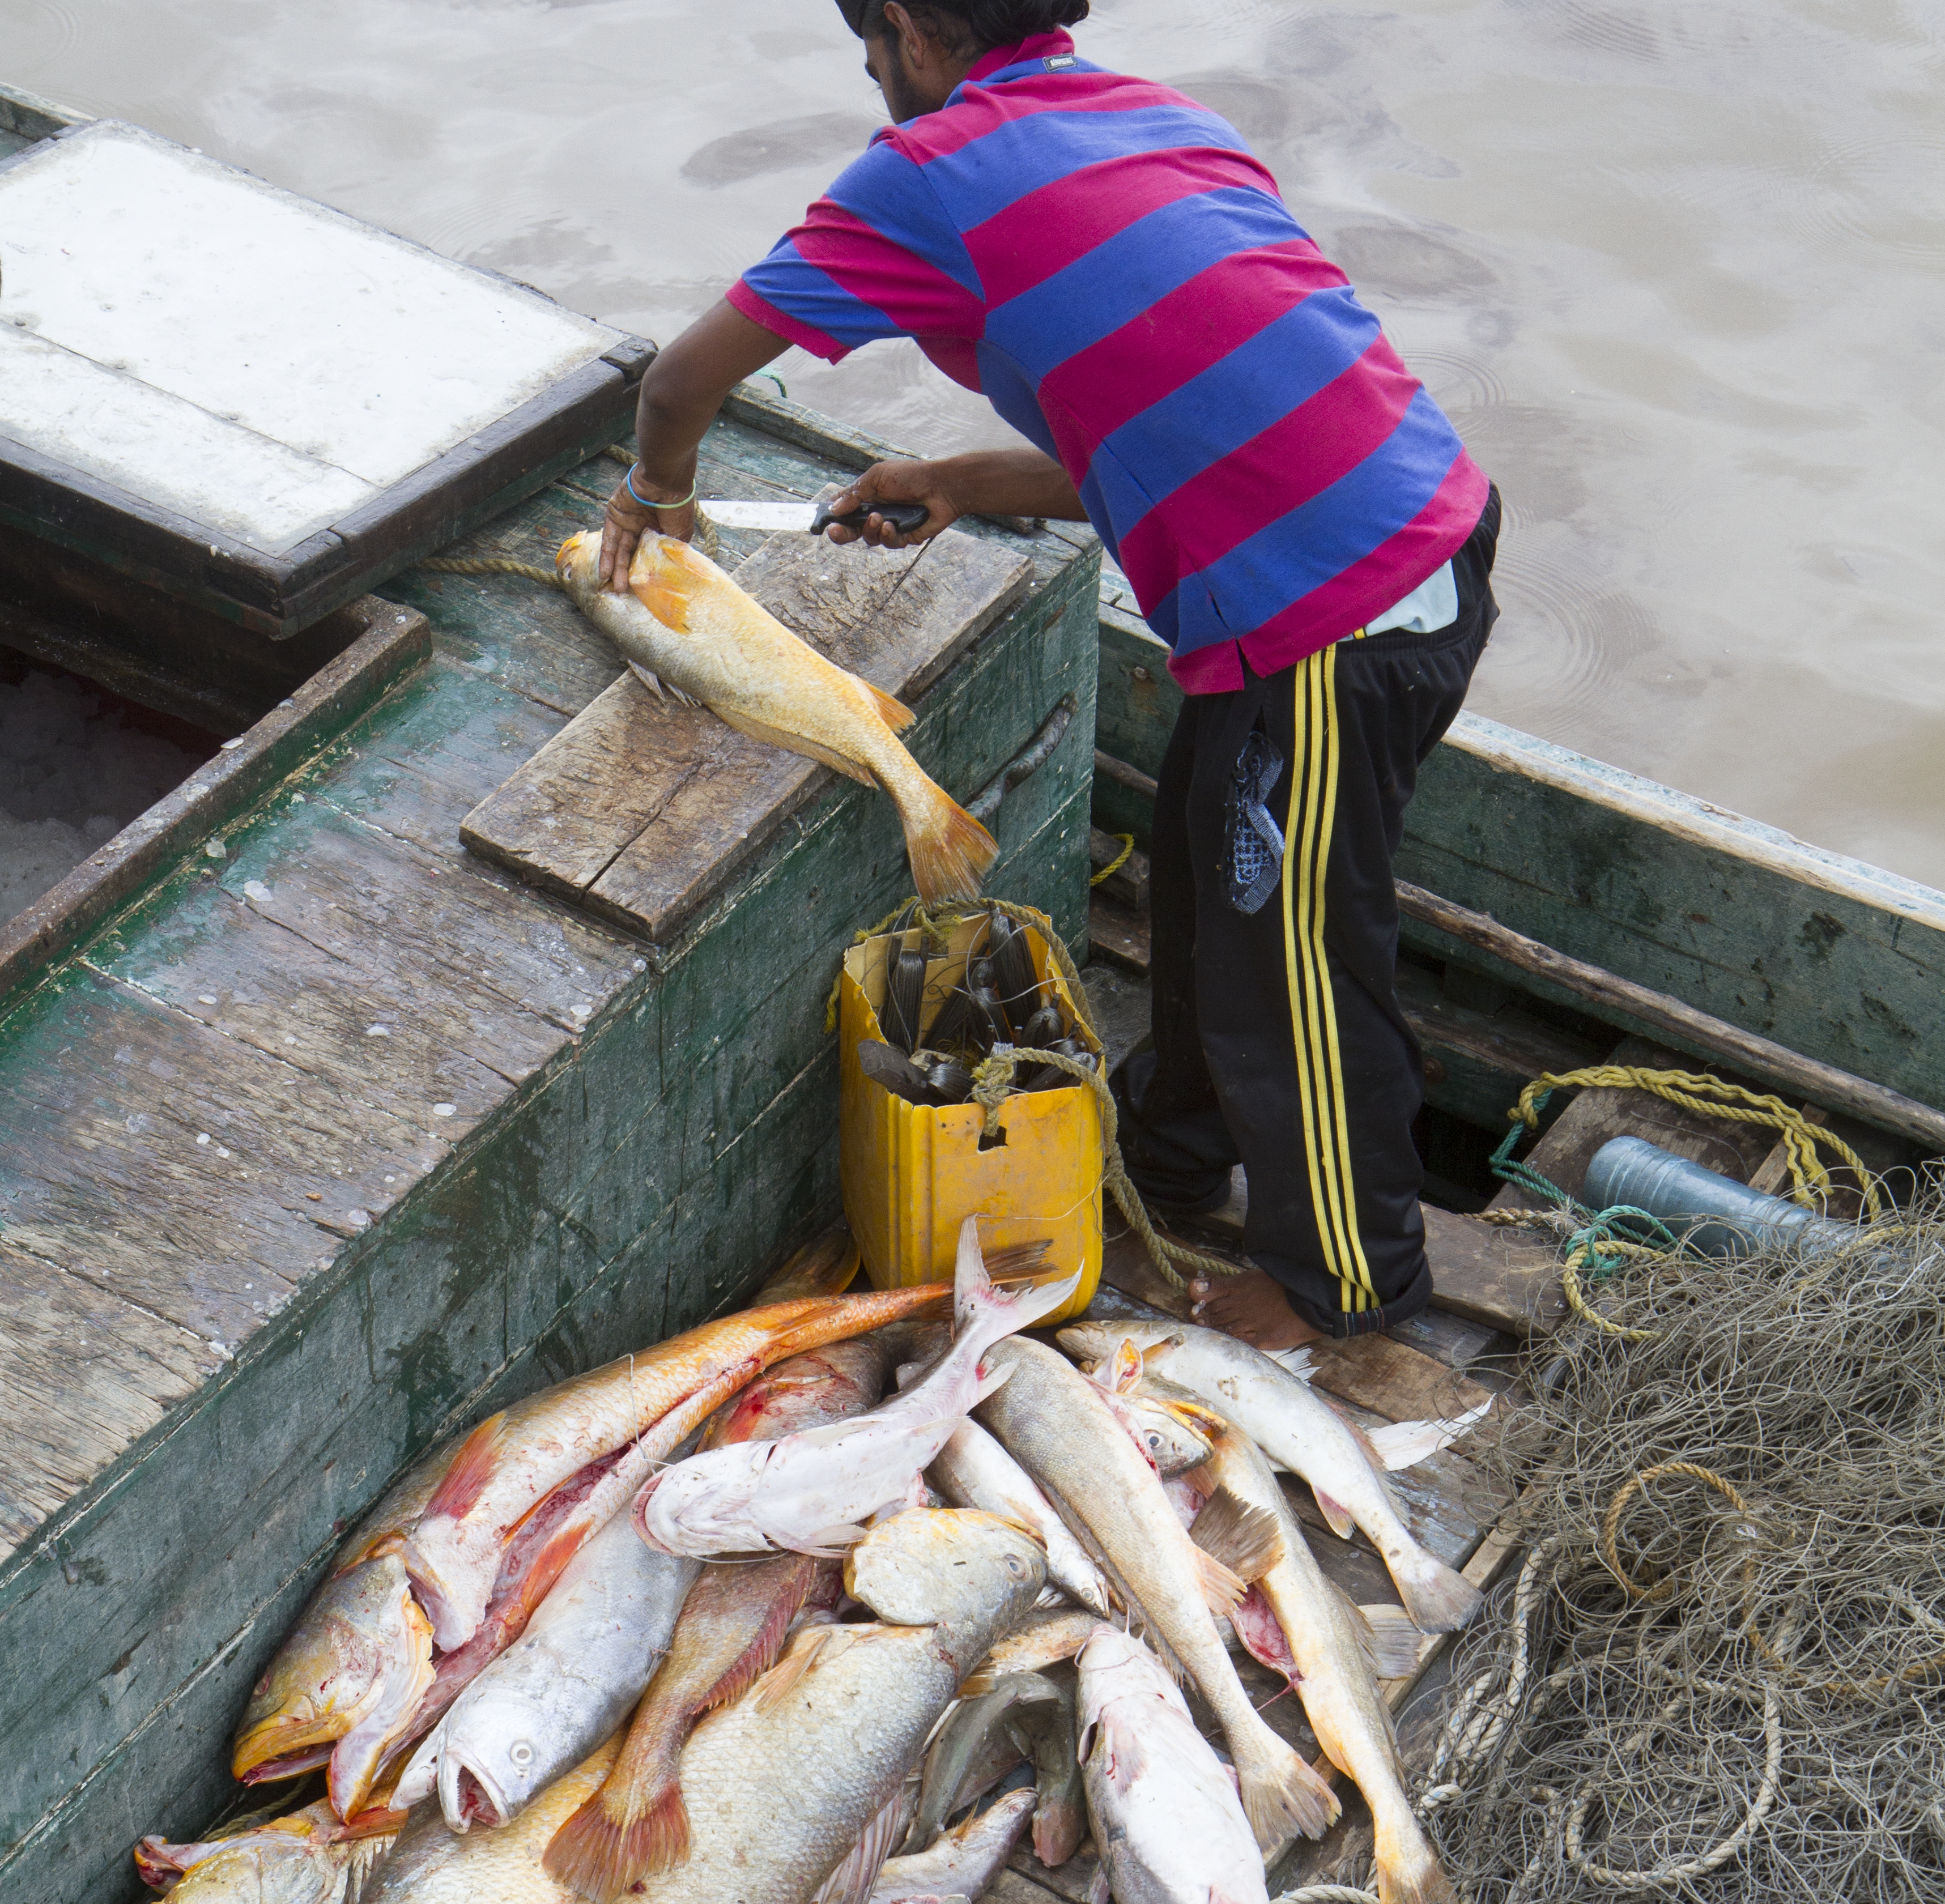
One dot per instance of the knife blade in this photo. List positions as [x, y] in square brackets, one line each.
[810, 519]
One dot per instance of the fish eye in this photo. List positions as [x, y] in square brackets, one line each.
[522, 1753]
[1016, 1565]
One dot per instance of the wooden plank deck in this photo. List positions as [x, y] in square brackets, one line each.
[315, 1143]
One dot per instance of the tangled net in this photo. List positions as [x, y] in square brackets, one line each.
[1721, 1673]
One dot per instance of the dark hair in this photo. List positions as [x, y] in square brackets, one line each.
[972, 24]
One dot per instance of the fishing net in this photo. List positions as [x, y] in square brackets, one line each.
[1720, 1673]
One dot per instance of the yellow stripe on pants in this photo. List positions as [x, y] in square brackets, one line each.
[1313, 1010]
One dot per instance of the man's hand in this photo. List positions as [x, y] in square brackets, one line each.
[910, 481]
[626, 523]
[980, 482]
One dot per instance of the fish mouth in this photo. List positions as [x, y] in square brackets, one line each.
[278, 1747]
[467, 1796]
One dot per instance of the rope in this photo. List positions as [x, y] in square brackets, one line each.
[1608, 1238]
[1114, 865]
[1637, 1483]
[1472, 1733]
[1697, 1091]
[1329, 1894]
[490, 566]
[993, 1082]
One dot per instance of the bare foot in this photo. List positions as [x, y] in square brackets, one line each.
[1251, 1307]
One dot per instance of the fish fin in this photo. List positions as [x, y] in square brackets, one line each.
[1019, 1259]
[662, 602]
[1122, 1370]
[604, 1858]
[648, 679]
[978, 1307]
[757, 1658]
[1282, 1795]
[1246, 1539]
[1301, 1362]
[858, 1870]
[1098, 1890]
[473, 1466]
[1335, 1512]
[776, 737]
[951, 852]
[894, 713]
[1390, 1641]
[1220, 1588]
[809, 1650]
[1438, 1600]
[1403, 1444]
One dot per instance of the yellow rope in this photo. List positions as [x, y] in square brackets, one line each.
[1114, 865]
[1711, 1097]
[490, 566]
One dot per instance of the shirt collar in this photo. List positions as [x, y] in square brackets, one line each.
[1035, 48]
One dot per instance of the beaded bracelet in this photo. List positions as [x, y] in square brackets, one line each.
[628, 483]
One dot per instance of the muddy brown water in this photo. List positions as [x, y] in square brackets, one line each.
[1676, 270]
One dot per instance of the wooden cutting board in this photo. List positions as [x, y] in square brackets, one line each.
[640, 808]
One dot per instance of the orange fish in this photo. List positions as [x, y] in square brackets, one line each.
[684, 622]
[461, 1564]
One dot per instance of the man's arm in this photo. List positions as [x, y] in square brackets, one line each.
[681, 394]
[982, 482]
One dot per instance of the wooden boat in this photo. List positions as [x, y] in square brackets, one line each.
[405, 1058]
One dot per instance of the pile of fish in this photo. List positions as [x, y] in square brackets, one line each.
[833, 1601]
[998, 1004]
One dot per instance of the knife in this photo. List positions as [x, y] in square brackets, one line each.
[813, 518]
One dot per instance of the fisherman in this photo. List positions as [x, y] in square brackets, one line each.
[1105, 260]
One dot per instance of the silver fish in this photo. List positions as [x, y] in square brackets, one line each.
[1057, 1424]
[781, 1784]
[559, 1689]
[963, 1862]
[1167, 1823]
[1295, 1426]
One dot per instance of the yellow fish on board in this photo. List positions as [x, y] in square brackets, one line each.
[684, 622]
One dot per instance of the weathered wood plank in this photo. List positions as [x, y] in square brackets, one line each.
[645, 806]
[1839, 961]
[395, 642]
[83, 1373]
[1392, 1379]
[1494, 1276]
[1117, 932]
[1140, 699]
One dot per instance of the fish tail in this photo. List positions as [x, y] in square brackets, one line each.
[1282, 1795]
[951, 852]
[1438, 1600]
[991, 1314]
[1407, 1867]
[604, 1857]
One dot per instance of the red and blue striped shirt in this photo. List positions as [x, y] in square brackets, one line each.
[1108, 264]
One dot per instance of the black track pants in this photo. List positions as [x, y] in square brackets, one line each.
[1279, 1043]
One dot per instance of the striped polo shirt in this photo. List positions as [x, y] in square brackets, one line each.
[1108, 264]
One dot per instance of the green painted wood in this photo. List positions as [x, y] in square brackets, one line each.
[1837, 960]
[311, 1000]
[1139, 700]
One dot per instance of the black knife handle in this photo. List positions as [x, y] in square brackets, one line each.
[904, 517]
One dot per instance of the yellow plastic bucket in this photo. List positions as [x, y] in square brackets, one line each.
[913, 1173]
